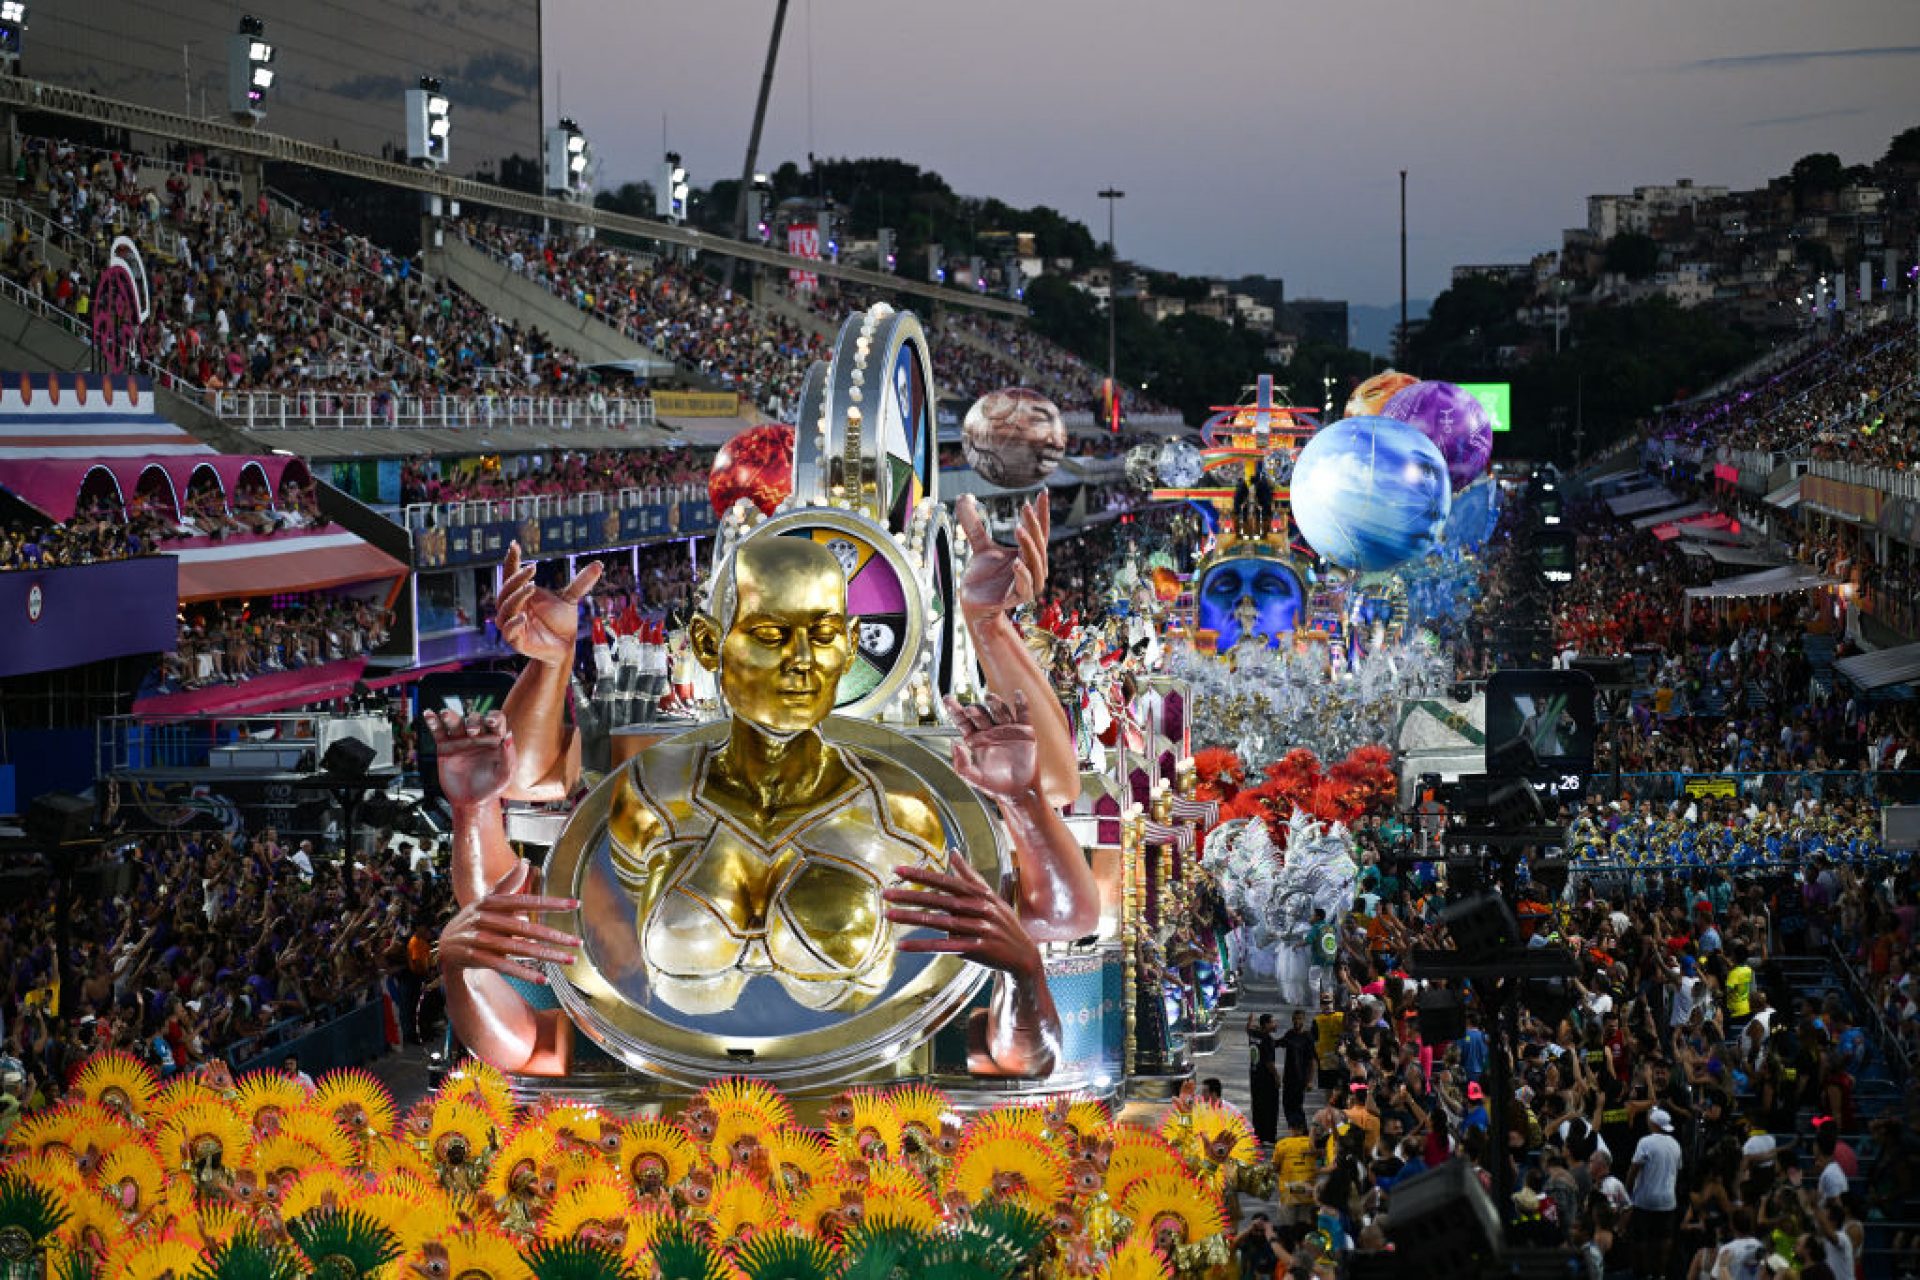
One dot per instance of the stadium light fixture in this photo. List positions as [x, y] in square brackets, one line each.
[429, 124]
[248, 74]
[569, 159]
[13, 24]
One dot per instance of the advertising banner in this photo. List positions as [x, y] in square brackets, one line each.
[697, 404]
[559, 535]
[803, 241]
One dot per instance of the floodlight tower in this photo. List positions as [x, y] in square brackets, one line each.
[428, 124]
[13, 26]
[249, 74]
[569, 162]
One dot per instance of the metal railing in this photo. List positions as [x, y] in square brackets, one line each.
[477, 511]
[364, 410]
[1896, 786]
[41, 308]
[26, 94]
[1900, 484]
[125, 743]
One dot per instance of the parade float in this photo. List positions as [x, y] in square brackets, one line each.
[845, 957]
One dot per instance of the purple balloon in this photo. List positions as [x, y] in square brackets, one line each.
[1454, 420]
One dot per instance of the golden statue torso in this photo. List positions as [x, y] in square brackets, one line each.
[721, 896]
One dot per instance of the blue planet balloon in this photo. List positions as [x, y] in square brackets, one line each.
[1371, 493]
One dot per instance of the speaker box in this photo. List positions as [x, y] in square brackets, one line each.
[1482, 926]
[347, 758]
[1443, 1018]
[1445, 1219]
[59, 818]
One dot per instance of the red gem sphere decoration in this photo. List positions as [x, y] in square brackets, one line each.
[757, 464]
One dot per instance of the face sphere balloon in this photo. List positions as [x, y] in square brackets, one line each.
[1143, 466]
[1371, 396]
[1179, 464]
[1456, 422]
[1279, 467]
[756, 464]
[1370, 493]
[1013, 437]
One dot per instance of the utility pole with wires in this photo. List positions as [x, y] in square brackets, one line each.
[1110, 195]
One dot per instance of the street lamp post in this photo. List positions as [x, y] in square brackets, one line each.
[1110, 195]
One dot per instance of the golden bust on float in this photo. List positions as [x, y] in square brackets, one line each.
[788, 892]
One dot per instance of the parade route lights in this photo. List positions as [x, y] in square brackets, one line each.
[13, 23]
[248, 74]
[428, 124]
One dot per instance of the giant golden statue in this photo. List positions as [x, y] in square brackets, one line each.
[768, 851]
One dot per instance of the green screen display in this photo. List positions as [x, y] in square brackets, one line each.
[1498, 399]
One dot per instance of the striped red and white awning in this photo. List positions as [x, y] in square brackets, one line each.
[285, 562]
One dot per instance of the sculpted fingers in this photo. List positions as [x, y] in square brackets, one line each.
[582, 583]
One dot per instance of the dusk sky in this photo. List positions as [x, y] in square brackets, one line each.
[1264, 135]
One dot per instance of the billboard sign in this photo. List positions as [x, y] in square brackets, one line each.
[803, 241]
[1496, 398]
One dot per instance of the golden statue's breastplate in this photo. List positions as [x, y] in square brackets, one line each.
[718, 903]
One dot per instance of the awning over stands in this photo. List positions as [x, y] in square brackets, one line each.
[1608, 477]
[1740, 555]
[281, 691]
[61, 432]
[1632, 504]
[287, 561]
[1695, 526]
[1783, 580]
[1722, 533]
[1883, 668]
[1787, 496]
[1665, 517]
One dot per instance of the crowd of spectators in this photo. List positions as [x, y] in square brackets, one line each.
[1850, 398]
[186, 948]
[528, 475]
[1687, 1110]
[1717, 1094]
[1732, 689]
[93, 535]
[247, 297]
[222, 642]
[672, 309]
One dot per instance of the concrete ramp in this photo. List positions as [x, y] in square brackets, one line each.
[500, 289]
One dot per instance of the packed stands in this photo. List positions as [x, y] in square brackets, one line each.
[1850, 397]
[228, 641]
[216, 948]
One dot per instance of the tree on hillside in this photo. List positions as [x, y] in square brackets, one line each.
[1904, 151]
[1633, 255]
[1817, 173]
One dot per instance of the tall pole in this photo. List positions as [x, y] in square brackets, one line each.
[1110, 195]
[753, 138]
[1402, 345]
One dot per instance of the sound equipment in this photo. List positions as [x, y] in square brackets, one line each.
[375, 732]
[1443, 1018]
[1444, 1218]
[347, 758]
[59, 818]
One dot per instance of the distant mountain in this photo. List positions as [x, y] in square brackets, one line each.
[1371, 328]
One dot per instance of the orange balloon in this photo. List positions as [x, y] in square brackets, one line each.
[1370, 397]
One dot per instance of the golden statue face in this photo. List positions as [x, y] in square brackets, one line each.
[790, 639]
